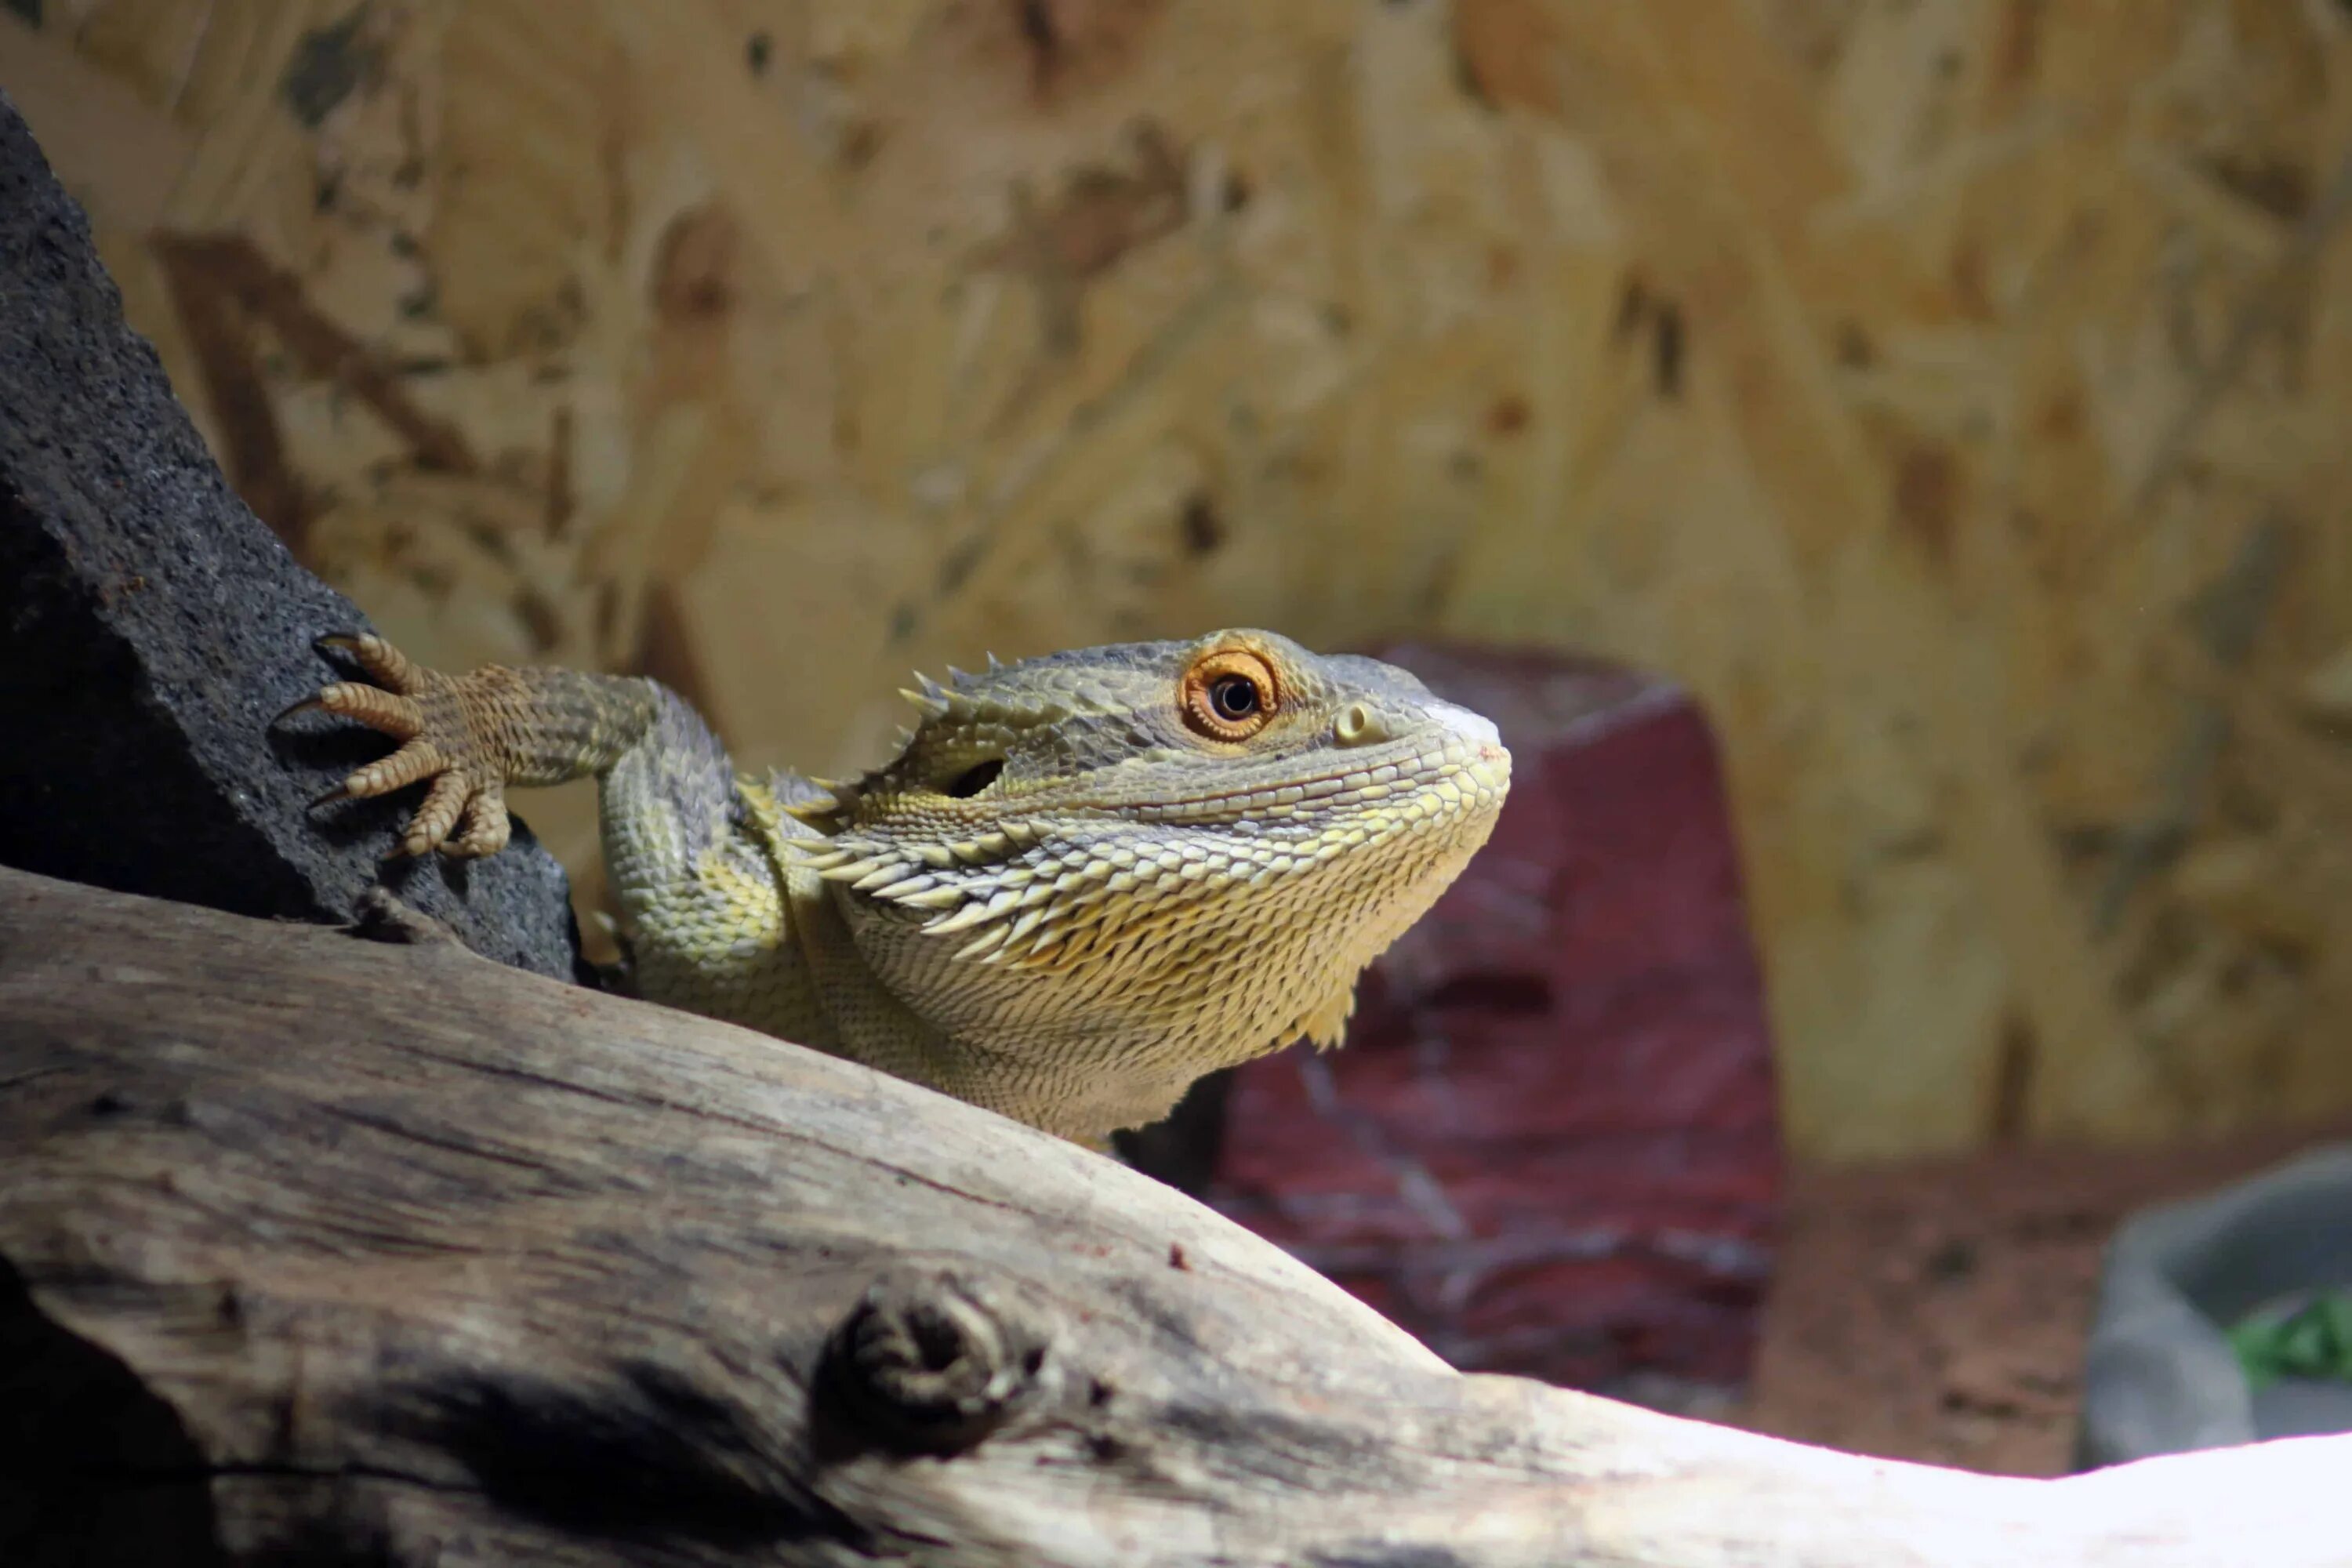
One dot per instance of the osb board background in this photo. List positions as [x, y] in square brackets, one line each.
[1953, 392]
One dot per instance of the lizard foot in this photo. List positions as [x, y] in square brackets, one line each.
[431, 714]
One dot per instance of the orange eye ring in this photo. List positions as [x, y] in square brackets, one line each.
[1229, 696]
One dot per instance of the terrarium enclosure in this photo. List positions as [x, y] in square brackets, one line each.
[1950, 394]
[1883, 463]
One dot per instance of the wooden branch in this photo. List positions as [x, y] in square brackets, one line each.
[319, 1249]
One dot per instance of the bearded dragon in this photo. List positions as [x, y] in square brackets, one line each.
[1084, 881]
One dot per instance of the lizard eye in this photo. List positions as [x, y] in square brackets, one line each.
[1229, 696]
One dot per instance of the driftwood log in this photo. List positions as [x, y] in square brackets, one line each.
[316, 1249]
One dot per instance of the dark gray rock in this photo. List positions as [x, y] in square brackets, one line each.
[151, 627]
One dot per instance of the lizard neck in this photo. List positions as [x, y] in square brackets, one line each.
[816, 986]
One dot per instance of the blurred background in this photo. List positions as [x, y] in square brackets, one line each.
[1949, 396]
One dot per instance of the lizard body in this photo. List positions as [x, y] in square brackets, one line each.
[1085, 881]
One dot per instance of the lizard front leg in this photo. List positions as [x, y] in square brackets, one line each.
[474, 734]
[687, 844]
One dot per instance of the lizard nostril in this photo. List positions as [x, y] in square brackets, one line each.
[1358, 725]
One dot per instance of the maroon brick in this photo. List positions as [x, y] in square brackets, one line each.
[1551, 1145]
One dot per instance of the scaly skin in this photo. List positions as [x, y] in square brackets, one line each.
[1085, 881]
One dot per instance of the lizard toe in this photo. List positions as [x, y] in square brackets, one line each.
[429, 828]
[382, 663]
[416, 760]
[386, 711]
[485, 826]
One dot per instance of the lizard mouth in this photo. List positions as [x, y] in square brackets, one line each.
[1451, 782]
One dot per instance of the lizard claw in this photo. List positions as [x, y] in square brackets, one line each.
[425, 710]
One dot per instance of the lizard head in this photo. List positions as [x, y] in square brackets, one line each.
[1179, 850]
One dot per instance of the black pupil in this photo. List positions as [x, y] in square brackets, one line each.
[975, 778]
[1234, 696]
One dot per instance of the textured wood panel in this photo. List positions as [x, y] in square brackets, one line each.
[1951, 392]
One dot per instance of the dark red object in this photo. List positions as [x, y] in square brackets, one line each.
[1551, 1145]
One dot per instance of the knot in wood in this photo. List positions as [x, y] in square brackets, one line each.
[935, 1362]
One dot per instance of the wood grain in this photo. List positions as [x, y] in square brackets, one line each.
[324, 1249]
